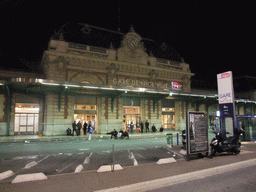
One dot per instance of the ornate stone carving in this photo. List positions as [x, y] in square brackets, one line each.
[153, 75]
[112, 69]
[61, 63]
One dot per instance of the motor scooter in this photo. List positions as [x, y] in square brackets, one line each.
[231, 144]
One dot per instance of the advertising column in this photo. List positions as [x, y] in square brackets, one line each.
[226, 102]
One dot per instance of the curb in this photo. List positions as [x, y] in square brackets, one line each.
[164, 182]
[29, 177]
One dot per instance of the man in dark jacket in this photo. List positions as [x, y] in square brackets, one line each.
[85, 127]
[79, 126]
[147, 126]
[74, 127]
[141, 127]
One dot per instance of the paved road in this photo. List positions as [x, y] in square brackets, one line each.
[77, 156]
[234, 181]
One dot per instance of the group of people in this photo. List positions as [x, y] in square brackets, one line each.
[121, 134]
[147, 127]
[77, 129]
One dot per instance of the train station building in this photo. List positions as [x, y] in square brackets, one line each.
[110, 88]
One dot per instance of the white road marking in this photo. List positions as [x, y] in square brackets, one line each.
[85, 149]
[132, 157]
[68, 154]
[33, 163]
[106, 151]
[87, 159]
[43, 159]
[25, 157]
[29, 165]
[79, 168]
[65, 167]
[245, 152]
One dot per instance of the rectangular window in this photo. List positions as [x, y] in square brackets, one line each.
[85, 107]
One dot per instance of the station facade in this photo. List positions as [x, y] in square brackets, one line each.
[110, 88]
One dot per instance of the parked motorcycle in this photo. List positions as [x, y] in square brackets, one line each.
[231, 144]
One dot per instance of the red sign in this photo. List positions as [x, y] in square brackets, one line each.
[176, 85]
[225, 75]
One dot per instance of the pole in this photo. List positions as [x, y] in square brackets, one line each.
[177, 138]
[113, 158]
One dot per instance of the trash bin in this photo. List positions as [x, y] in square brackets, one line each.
[169, 138]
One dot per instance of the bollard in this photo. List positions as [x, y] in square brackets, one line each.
[113, 158]
[177, 138]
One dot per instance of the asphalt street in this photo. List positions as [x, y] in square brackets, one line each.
[55, 158]
[243, 180]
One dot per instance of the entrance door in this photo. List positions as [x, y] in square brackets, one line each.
[26, 119]
[26, 124]
[85, 113]
[86, 118]
[168, 121]
[131, 114]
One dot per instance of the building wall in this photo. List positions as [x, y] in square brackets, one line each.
[126, 66]
[2, 115]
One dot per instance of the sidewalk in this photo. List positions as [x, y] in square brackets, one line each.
[36, 138]
[141, 177]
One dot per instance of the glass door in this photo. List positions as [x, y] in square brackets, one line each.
[168, 121]
[26, 124]
[131, 114]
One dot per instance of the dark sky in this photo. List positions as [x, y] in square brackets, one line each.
[212, 36]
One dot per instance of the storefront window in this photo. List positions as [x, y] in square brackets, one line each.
[26, 108]
[85, 107]
[168, 109]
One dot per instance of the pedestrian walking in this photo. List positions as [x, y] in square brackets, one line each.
[141, 127]
[74, 127]
[90, 131]
[147, 126]
[131, 126]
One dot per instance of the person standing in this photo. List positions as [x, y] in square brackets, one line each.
[79, 126]
[147, 126]
[141, 127]
[85, 127]
[131, 126]
[90, 131]
[74, 127]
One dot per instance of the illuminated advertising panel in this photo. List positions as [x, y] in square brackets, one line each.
[226, 102]
[176, 86]
[225, 87]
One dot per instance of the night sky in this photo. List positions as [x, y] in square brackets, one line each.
[212, 36]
